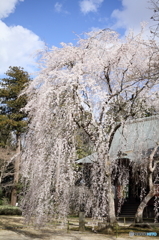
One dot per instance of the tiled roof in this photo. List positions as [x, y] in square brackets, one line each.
[136, 139]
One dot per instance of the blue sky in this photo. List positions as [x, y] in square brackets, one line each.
[28, 25]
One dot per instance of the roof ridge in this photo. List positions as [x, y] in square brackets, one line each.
[142, 119]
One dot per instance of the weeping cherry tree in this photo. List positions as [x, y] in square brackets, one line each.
[96, 85]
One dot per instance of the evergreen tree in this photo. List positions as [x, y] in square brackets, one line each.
[11, 116]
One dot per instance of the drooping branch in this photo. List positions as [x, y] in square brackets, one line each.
[151, 159]
[143, 204]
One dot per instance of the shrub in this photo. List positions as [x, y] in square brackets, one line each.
[1, 193]
[10, 210]
[5, 201]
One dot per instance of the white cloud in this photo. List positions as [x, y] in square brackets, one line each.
[58, 7]
[134, 12]
[17, 46]
[94, 29]
[87, 6]
[7, 7]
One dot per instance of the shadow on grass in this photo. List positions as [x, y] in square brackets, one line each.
[16, 224]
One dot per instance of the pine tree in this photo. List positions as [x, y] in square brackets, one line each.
[12, 118]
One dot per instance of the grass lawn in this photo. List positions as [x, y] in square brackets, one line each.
[17, 224]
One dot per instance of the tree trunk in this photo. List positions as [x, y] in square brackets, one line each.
[143, 204]
[111, 204]
[16, 174]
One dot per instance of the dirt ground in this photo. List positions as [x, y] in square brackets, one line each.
[13, 228]
[10, 235]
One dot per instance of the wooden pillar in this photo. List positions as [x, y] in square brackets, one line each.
[81, 222]
[16, 174]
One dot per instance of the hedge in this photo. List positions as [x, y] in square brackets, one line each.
[10, 210]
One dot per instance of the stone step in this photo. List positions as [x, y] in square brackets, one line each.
[129, 208]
